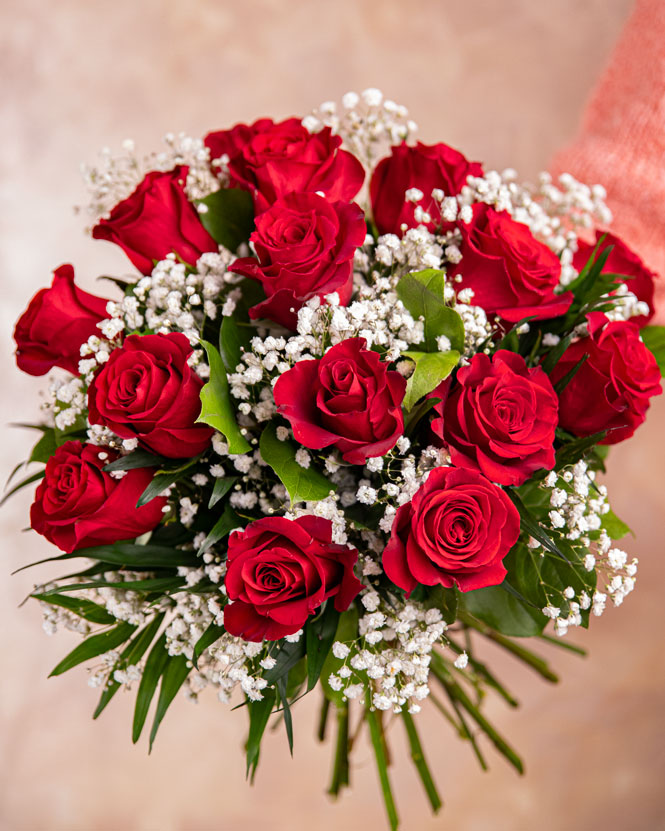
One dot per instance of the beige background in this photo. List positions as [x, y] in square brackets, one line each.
[505, 81]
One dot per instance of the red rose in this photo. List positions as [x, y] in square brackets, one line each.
[147, 391]
[78, 505]
[156, 220]
[57, 321]
[279, 571]
[512, 274]
[612, 388]
[271, 160]
[304, 248]
[425, 167]
[347, 399]
[622, 261]
[499, 418]
[455, 531]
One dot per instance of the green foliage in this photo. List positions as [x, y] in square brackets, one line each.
[221, 488]
[421, 292]
[615, 527]
[212, 633]
[229, 218]
[499, 608]
[654, 340]
[302, 484]
[164, 479]
[45, 447]
[319, 637]
[152, 672]
[216, 407]
[139, 458]
[173, 677]
[233, 338]
[347, 633]
[81, 607]
[131, 555]
[93, 646]
[259, 713]
[34, 477]
[431, 369]
[225, 524]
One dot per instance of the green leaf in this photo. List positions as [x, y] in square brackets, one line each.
[347, 633]
[216, 407]
[233, 340]
[287, 655]
[562, 383]
[151, 584]
[45, 447]
[445, 600]
[654, 340]
[259, 713]
[160, 482]
[35, 477]
[138, 458]
[421, 292]
[212, 633]
[286, 709]
[221, 488]
[81, 607]
[504, 612]
[431, 369]
[530, 524]
[173, 677]
[225, 524]
[615, 527]
[230, 216]
[303, 484]
[132, 555]
[319, 636]
[572, 451]
[152, 672]
[93, 646]
[132, 654]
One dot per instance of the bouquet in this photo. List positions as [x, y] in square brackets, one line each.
[343, 422]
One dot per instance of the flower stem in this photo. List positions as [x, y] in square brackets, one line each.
[340, 774]
[420, 762]
[375, 732]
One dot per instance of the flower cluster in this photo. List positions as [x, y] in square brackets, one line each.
[348, 419]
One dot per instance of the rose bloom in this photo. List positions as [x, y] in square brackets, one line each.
[78, 505]
[613, 387]
[57, 321]
[348, 399]
[156, 220]
[622, 261]
[304, 248]
[512, 274]
[279, 571]
[147, 391]
[499, 418]
[271, 160]
[425, 167]
[455, 531]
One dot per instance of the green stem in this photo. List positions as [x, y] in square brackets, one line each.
[490, 679]
[571, 647]
[534, 661]
[381, 762]
[419, 761]
[340, 774]
[323, 719]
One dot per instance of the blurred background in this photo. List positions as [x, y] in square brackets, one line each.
[505, 82]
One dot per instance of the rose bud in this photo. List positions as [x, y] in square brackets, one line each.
[511, 273]
[499, 418]
[78, 504]
[271, 160]
[56, 323]
[425, 167]
[147, 391]
[304, 248]
[156, 220]
[611, 389]
[622, 261]
[279, 571]
[348, 399]
[455, 532]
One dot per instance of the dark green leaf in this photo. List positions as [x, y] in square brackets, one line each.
[35, 477]
[286, 709]
[562, 383]
[287, 654]
[654, 340]
[80, 606]
[615, 527]
[138, 458]
[530, 524]
[303, 484]
[504, 612]
[572, 451]
[221, 488]
[259, 713]
[132, 555]
[212, 634]
[431, 369]
[151, 584]
[233, 341]
[347, 633]
[93, 646]
[225, 524]
[445, 600]
[216, 407]
[132, 654]
[152, 672]
[44, 448]
[229, 218]
[319, 637]
[422, 293]
[173, 677]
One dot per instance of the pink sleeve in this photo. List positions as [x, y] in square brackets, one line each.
[621, 143]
